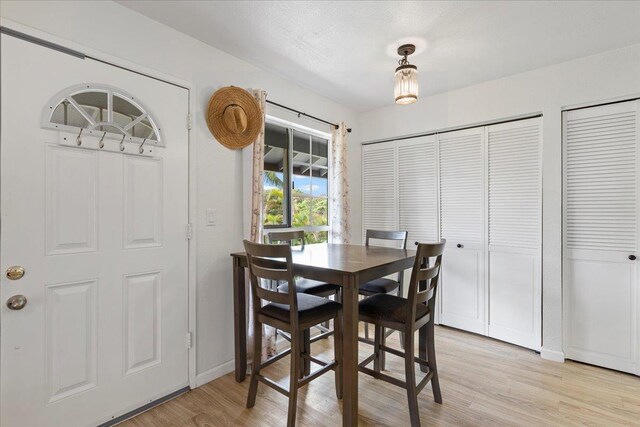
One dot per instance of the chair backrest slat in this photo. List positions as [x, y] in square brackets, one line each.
[272, 296]
[387, 235]
[424, 278]
[271, 263]
[269, 273]
[427, 294]
[426, 275]
[288, 237]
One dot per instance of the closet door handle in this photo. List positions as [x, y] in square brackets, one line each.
[459, 245]
[632, 257]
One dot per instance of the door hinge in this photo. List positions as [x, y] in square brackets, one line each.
[189, 121]
[189, 340]
[189, 231]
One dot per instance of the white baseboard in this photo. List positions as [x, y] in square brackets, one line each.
[553, 355]
[213, 373]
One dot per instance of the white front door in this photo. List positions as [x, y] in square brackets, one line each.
[101, 236]
[601, 190]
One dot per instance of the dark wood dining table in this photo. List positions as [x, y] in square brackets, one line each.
[345, 265]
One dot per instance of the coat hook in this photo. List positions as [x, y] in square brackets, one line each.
[78, 139]
[101, 143]
[141, 150]
[122, 143]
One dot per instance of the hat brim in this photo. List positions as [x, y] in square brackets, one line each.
[223, 98]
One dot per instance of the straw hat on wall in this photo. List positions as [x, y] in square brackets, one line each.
[234, 117]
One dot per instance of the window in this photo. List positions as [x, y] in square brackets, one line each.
[101, 108]
[296, 185]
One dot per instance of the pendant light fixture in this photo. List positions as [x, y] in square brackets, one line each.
[406, 87]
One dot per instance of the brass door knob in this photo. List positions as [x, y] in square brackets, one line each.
[15, 272]
[17, 302]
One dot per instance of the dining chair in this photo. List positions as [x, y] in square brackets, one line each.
[408, 315]
[305, 286]
[384, 285]
[292, 312]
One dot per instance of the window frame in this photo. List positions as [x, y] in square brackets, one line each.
[288, 177]
[112, 92]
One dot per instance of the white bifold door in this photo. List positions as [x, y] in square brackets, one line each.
[601, 295]
[480, 189]
[514, 195]
[490, 214]
[98, 224]
[462, 224]
[400, 190]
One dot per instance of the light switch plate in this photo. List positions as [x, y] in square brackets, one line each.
[211, 217]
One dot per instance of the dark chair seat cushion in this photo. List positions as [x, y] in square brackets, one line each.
[311, 287]
[379, 286]
[309, 308]
[388, 308]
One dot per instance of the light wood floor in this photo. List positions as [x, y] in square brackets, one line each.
[484, 383]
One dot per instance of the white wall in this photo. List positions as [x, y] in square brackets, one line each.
[118, 31]
[115, 30]
[548, 90]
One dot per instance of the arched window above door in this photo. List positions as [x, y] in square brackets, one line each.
[101, 108]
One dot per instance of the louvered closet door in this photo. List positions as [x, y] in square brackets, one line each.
[462, 224]
[514, 207]
[417, 192]
[379, 188]
[417, 189]
[601, 298]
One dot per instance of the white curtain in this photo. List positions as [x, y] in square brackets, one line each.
[256, 227]
[258, 173]
[339, 185]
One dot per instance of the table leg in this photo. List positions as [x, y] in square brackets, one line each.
[239, 320]
[350, 351]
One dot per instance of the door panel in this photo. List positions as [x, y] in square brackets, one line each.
[379, 188]
[72, 338]
[462, 297]
[593, 339]
[601, 178]
[601, 321]
[142, 321]
[514, 234]
[514, 187]
[101, 236]
[462, 187]
[418, 189]
[72, 200]
[143, 202]
[462, 225]
[514, 297]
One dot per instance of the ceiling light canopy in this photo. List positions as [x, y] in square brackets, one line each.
[406, 87]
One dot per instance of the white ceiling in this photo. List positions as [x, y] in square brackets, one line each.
[345, 50]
